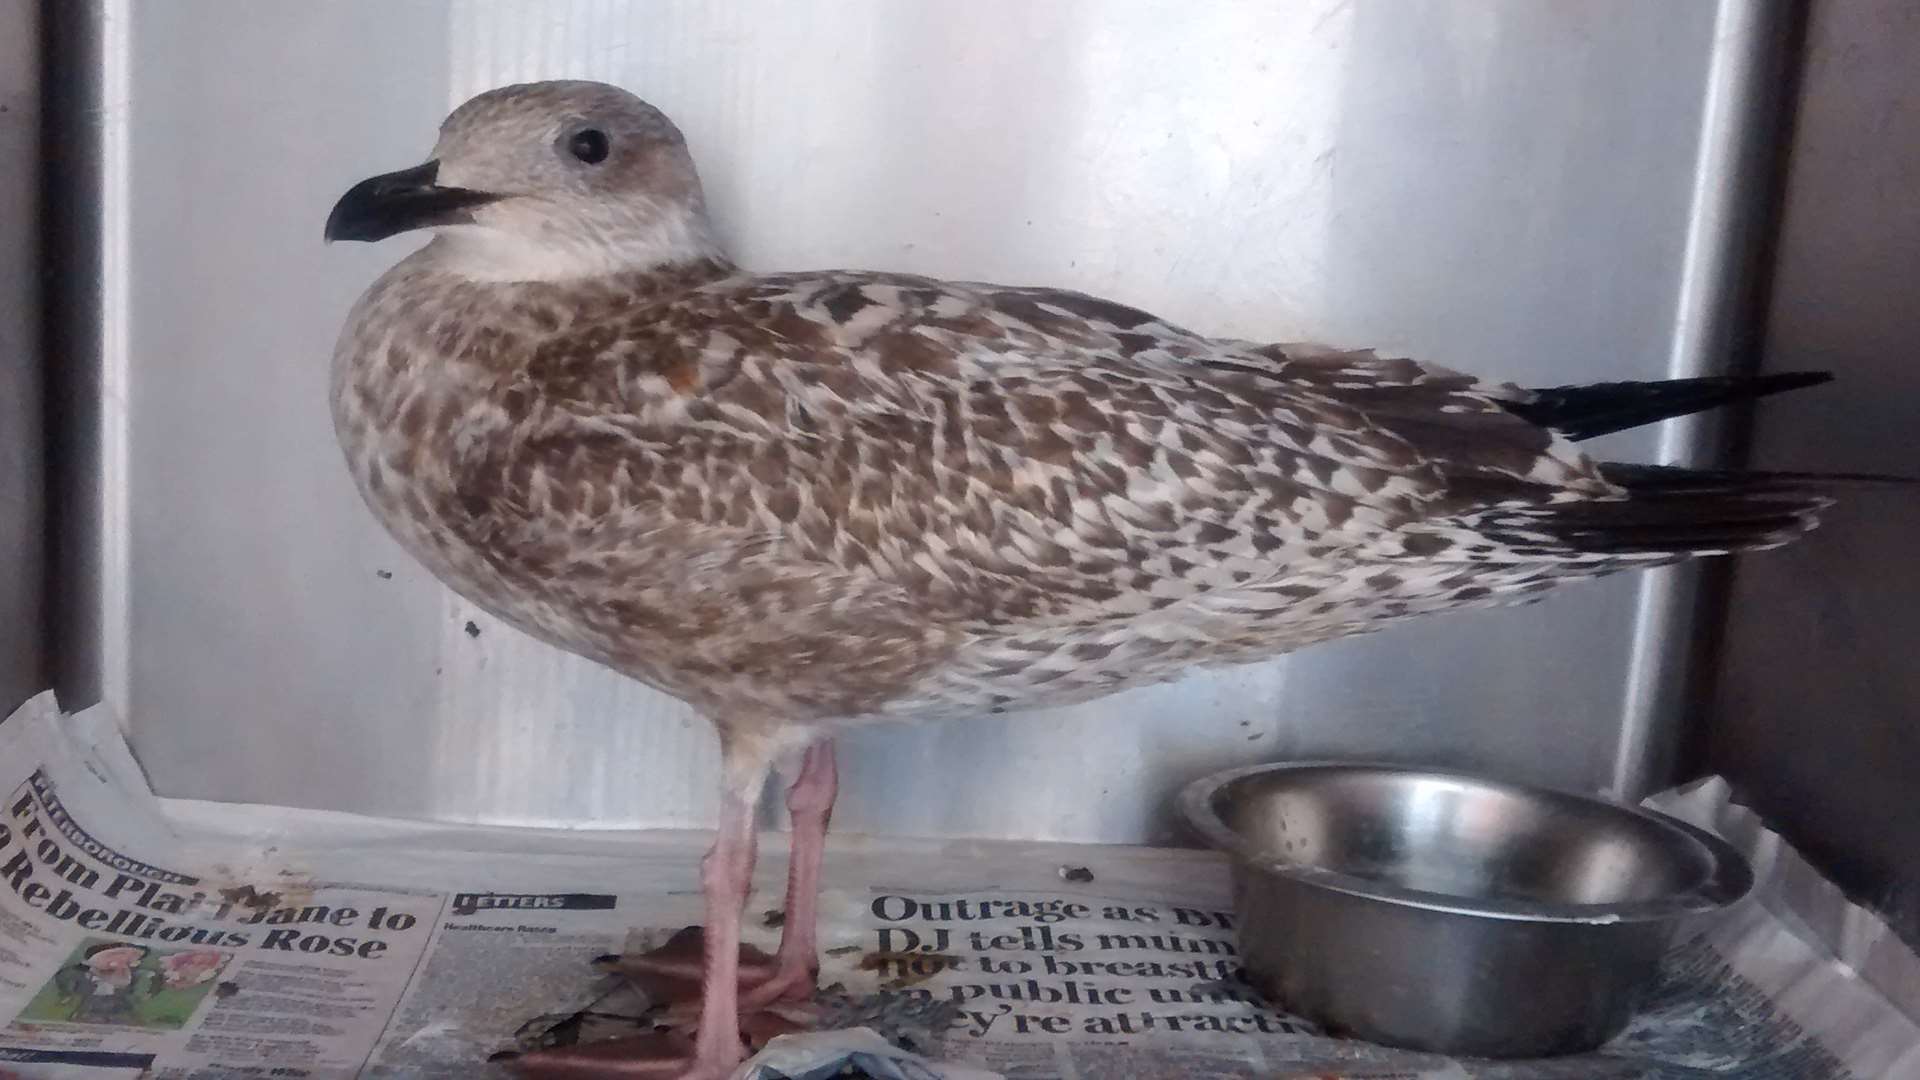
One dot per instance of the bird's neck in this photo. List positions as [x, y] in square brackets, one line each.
[423, 331]
[629, 247]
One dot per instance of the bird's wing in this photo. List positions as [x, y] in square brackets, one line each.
[1002, 456]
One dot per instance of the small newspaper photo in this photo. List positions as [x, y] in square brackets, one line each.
[148, 937]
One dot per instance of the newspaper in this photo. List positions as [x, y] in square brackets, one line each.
[170, 938]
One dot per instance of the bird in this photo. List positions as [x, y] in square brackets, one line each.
[806, 502]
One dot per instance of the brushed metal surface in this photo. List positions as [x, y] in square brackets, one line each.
[1508, 187]
[85, 311]
[22, 472]
[1443, 911]
[1736, 182]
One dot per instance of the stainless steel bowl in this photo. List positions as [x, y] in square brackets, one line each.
[1445, 912]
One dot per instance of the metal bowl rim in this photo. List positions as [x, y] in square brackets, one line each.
[1728, 882]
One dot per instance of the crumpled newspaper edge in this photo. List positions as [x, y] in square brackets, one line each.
[1816, 939]
[818, 1055]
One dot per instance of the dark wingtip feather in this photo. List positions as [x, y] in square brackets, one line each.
[1671, 513]
[1676, 511]
[1586, 412]
[1782, 381]
[1675, 477]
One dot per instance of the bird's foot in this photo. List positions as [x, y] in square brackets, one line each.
[668, 1051]
[756, 1018]
[670, 973]
[773, 1004]
[656, 1054]
[775, 1000]
[790, 986]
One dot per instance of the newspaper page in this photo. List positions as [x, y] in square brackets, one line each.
[148, 937]
[116, 958]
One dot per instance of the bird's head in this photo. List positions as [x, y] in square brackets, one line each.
[543, 182]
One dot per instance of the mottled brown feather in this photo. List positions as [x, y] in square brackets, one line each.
[831, 497]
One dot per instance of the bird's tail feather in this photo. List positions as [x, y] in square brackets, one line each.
[1685, 513]
[1585, 412]
[1675, 478]
[1671, 512]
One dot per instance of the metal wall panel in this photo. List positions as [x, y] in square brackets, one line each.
[21, 469]
[1817, 710]
[1540, 192]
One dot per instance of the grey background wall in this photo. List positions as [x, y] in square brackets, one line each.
[1817, 709]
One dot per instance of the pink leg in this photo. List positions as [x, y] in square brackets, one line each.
[810, 804]
[726, 876]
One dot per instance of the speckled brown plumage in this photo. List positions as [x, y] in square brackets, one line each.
[809, 500]
[822, 498]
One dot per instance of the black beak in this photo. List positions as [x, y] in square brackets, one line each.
[378, 208]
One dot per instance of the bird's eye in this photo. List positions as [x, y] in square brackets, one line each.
[589, 145]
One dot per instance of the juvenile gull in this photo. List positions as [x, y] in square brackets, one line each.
[804, 502]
